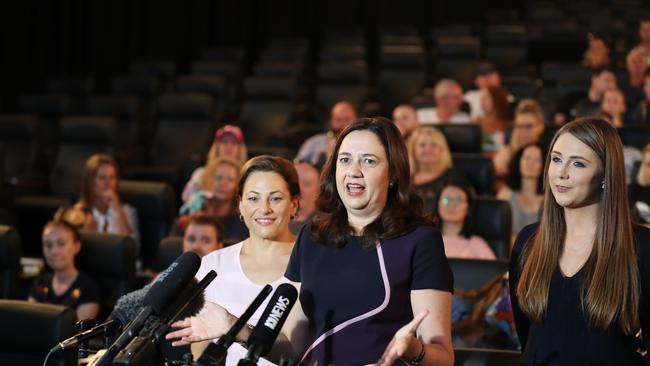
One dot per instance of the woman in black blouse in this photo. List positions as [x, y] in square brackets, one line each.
[579, 278]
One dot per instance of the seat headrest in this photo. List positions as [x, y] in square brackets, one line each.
[9, 247]
[403, 56]
[230, 69]
[18, 126]
[211, 84]
[170, 248]
[161, 68]
[136, 84]
[152, 199]
[259, 87]
[50, 105]
[458, 46]
[120, 106]
[107, 255]
[70, 84]
[185, 105]
[49, 324]
[343, 72]
[88, 129]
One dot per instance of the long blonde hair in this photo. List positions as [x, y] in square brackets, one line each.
[611, 287]
[211, 168]
[641, 177]
[445, 161]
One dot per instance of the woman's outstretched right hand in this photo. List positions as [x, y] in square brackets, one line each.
[212, 322]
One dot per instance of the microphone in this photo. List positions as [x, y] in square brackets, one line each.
[142, 350]
[215, 353]
[167, 285]
[108, 326]
[268, 327]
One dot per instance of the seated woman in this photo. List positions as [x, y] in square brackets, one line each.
[228, 143]
[309, 179]
[99, 200]
[430, 160]
[640, 189]
[268, 198]
[66, 285]
[525, 185]
[217, 196]
[454, 217]
[528, 128]
[497, 119]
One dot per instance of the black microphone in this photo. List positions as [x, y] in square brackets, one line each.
[215, 353]
[142, 350]
[268, 327]
[168, 284]
[108, 326]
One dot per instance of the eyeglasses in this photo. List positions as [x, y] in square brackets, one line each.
[456, 200]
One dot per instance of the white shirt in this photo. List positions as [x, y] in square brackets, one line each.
[107, 222]
[430, 116]
[473, 98]
[233, 291]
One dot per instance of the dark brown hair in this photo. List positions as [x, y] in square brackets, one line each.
[404, 209]
[268, 163]
[207, 220]
[91, 169]
[611, 288]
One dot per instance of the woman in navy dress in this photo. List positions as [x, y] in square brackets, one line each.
[579, 278]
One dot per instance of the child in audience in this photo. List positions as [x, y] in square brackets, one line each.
[66, 285]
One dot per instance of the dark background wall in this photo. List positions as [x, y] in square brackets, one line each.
[100, 38]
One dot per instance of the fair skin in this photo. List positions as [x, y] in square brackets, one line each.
[646, 89]
[228, 147]
[636, 65]
[448, 102]
[308, 180]
[527, 130]
[645, 162]
[644, 34]
[223, 189]
[405, 119]
[432, 308]
[575, 176]
[201, 239]
[59, 250]
[427, 155]
[341, 115]
[266, 206]
[614, 104]
[599, 53]
[600, 84]
[105, 197]
[453, 209]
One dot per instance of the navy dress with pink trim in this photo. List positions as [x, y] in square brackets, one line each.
[356, 299]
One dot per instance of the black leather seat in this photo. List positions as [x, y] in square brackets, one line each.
[19, 146]
[31, 330]
[49, 108]
[171, 248]
[462, 138]
[155, 206]
[493, 222]
[33, 211]
[163, 70]
[471, 274]
[10, 268]
[637, 137]
[402, 75]
[479, 170]
[111, 260]
[216, 86]
[486, 357]
[128, 114]
[340, 81]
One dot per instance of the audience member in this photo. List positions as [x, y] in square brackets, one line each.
[449, 97]
[586, 104]
[487, 76]
[640, 189]
[406, 119]
[614, 107]
[308, 177]
[528, 128]
[228, 143]
[598, 51]
[455, 218]
[497, 117]
[643, 109]
[429, 159]
[314, 149]
[217, 196]
[100, 201]
[525, 186]
[644, 36]
[66, 285]
[632, 86]
[202, 235]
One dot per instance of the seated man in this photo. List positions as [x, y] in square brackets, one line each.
[449, 98]
[202, 235]
[314, 149]
[587, 103]
[405, 119]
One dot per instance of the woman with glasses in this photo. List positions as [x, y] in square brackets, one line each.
[455, 211]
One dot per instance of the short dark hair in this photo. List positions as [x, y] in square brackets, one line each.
[206, 220]
[599, 70]
[514, 173]
[66, 225]
[404, 208]
[269, 163]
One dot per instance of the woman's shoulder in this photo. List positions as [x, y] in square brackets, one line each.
[223, 254]
[642, 236]
[523, 238]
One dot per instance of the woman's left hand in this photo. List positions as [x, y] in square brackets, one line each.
[402, 340]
